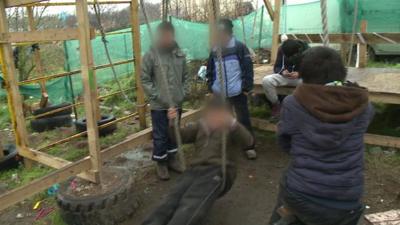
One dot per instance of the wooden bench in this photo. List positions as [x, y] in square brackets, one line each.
[383, 85]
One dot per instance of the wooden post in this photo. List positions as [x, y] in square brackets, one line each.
[137, 55]
[37, 58]
[90, 88]
[13, 95]
[362, 48]
[275, 30]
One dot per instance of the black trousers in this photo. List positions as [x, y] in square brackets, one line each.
[191, 198]
[310, 213]
[241, 107]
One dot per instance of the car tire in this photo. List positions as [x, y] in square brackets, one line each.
[111, 207]
[11, 158]
[81, 124]
[43, 124]
[67, 111]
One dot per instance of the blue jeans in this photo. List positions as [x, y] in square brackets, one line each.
[163, 145]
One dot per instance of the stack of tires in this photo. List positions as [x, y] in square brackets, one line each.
[48, 122]
[11, 158]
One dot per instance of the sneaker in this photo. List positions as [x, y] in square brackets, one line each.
[175, 164]
[251, 154]
[162, 170]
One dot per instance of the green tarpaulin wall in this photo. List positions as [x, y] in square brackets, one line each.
[382, 16]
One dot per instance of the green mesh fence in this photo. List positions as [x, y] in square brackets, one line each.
[254, 29]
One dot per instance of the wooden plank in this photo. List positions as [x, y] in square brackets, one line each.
[370, 38]
[275, 30]
[371, 139]
[90, 87]
[362, 50]
[10, 77]
[16, 195]
[36, 186]
[47, 4]
[51, 161]
[391, 217]
[137, 51]
[270, 10]
[40, 36]
[14, 3]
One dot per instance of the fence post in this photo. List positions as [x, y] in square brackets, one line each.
[137, 55]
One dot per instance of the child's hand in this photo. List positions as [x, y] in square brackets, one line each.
[285, 73]
[293, 75]
[172, 113]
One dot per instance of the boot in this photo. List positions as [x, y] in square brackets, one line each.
[175, 164]
[162, 170]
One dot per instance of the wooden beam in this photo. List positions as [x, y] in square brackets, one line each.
[270, 10]
[16, 195]
[362, 48]
[47, 4]
[9, 198]
[14, 3]
[276, 30]
[90, 87]
[51, 161]
[137, 51]
[370, 38]
[371, 139]
[10, 75]
[41, 36]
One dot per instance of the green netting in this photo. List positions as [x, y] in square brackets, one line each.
[254, 29]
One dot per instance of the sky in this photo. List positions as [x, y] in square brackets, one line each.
[70, 9]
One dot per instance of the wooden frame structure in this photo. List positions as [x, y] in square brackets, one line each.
[90, 167]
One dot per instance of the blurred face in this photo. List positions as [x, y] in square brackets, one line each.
[223, 37]
[165, 39]
[216, 118]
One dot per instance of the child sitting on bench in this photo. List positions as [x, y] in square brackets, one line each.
[201, 185]
[322, 127]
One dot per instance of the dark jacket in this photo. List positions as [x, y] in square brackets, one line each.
[322, 128]
[282, 63]
[208, 143]
[235, 85]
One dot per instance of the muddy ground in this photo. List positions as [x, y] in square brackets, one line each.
[252, 198]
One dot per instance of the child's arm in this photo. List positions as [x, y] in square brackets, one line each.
[240, 135]
[146, 77]
[188, 133]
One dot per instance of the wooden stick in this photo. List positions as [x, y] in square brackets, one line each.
[362, 49]
[268, 5]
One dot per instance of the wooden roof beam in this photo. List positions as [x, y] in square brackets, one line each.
[17, 3]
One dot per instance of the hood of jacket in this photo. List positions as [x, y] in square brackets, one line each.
[329, 114]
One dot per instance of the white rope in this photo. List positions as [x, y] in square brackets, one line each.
[324, 15]
[166, 84]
